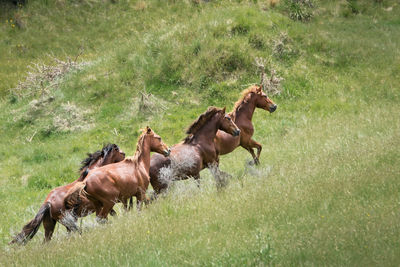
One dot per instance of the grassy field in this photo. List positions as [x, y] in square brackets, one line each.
[327, 191]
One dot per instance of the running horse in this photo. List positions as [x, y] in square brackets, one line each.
[106, 186]
[251, 98]
[53, 208]
[196, 152]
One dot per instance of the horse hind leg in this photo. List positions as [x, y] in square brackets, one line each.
[107, 207]
[130, 203]
[49, 225]
[258, 146]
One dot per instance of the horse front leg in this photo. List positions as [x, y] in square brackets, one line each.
[126, 207]
[221, 178]
[140, 198]
[70, 220]
[71, 226]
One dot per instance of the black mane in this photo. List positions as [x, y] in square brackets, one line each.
[93, 157]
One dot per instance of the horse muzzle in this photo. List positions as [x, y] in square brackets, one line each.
[167, 152]
[273, 108]
[236, 132]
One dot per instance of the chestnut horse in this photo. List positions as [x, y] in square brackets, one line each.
[195, 152]
[118, 182]
[252, 98]
[52, 210]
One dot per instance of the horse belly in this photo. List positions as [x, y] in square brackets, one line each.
[185, 162]
[127, 188]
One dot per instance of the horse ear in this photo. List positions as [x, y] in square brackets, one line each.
[223, 110]
[259, 88]
[148, 130]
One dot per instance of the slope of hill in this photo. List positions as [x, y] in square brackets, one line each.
[327, 191]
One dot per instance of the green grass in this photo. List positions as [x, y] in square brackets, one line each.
[327, 190]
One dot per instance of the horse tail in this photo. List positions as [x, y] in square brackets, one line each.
[73, 198]
[31, 228]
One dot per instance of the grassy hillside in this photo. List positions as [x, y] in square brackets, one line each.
[327, 190]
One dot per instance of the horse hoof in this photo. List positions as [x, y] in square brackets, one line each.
[101, 220]
[113, 212]
[256, 161]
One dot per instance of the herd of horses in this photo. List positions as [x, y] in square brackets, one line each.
[108, 177]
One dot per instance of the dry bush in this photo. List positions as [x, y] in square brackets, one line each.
[69, 118]
[148, 103]
[42, 78]
[282, 46]
[49, 117]
[271, 85]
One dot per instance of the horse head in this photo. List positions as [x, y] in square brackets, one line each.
[227, 124]
[262, 100]
[112, 154]
[156, 144]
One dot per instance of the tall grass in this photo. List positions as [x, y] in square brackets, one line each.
[326, 192]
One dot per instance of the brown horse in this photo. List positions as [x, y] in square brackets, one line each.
[252, 98]
[110, 184]
[52, 210]
[194, 153]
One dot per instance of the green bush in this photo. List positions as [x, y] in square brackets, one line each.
[301, 10]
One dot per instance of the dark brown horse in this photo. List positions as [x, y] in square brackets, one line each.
[52, 210]
[118, 182]
[252, 98]
[194, 153]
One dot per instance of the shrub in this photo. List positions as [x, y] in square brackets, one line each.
[299, 9]
[353, 6]
[42, 78]
[256, 41]
[350, 7]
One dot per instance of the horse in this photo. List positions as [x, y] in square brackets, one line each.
[53, 209]
[106, 186]
[196, 152]
[251, 98]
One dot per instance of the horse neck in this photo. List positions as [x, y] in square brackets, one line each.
[207, 133]
[245, 110]
[96, 164]
[144, 156]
